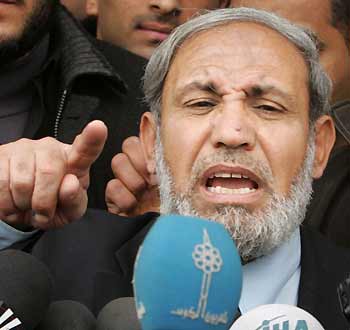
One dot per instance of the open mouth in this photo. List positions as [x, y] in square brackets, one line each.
[231, 183]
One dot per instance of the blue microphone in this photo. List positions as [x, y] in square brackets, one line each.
[187, 275]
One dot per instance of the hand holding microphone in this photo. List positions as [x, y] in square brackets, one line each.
[187, 275]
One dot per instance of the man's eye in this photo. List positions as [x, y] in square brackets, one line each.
[268, 108]
[202, 104]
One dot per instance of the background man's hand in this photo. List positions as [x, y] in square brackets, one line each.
[134, 190]
[43, 182]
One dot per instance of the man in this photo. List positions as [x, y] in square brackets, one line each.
[330, 20]
[236, 135]
[55, 80]
[139, 26]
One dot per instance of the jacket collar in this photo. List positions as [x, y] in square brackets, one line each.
[77, 52]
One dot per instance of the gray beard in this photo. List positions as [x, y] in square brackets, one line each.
[255, 233]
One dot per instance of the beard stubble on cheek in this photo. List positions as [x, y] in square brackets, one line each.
[31, 31]
[257, 232]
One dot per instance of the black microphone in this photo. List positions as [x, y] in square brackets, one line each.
[119, 314]
[68, 315]
[8, 319]
[344, 297]
[25, 290]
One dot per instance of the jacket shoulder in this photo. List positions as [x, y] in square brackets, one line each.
[323, 267]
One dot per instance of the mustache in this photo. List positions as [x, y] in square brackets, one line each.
[170, 19]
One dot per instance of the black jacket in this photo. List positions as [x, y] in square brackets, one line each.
[92, 262]
[329, 211]
[84, 79]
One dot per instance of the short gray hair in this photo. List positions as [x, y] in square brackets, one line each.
[159, 63]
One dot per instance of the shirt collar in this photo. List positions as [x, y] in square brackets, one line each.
[265, 278]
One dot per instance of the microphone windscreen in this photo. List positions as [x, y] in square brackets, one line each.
[187, 275]
[119, 314]
[277, 316]
[68, 315]
[25, 286]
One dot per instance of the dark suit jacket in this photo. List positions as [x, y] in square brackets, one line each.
[92, 262]
[329, 211]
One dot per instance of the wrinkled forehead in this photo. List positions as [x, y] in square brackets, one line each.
[235, 54]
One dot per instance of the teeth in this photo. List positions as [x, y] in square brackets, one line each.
[222, 175]
[227, 175]
[229, 191]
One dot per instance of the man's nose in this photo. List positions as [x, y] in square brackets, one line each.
[165, 7]
[232, 127]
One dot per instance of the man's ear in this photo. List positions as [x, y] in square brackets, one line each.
[91, 8]
[324, 141]
[148, 134]
[225, 3]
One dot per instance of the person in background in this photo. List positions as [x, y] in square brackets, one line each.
[140, 25]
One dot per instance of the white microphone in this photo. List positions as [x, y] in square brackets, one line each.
[277, 317]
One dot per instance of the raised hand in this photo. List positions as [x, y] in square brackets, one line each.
[43, 182]
[134, 190]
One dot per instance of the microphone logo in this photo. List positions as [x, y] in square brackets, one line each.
[285, 325]
[8, 320]
[207, 258]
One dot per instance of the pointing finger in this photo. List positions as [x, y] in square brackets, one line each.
[86, 148]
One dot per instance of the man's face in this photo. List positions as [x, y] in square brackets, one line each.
[225, 94]
[235, 125]
[21, 24]
[316, 15]
[140, 25]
